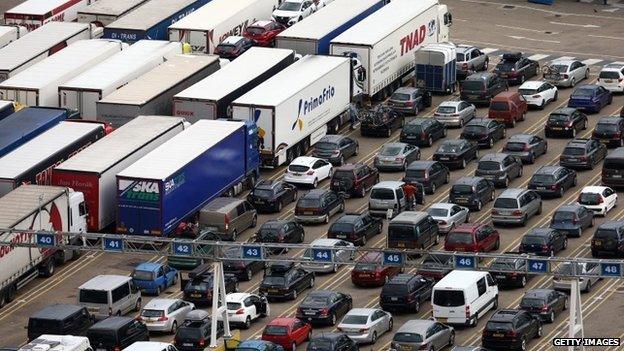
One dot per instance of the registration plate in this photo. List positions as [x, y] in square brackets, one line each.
[617, 176]
[394, 299]
[442, 320]
[196, 295]
[187, 344]
[498, 335]
[308, 212]
[500, 276]
[309, 313]
[341, 236]
[557, 128]
[572, 159]
[606, 141]
[608, 81]
[541, 188]
[473, 96]
[444, 158]
[272, 290]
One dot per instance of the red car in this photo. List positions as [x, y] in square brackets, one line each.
[263, 33]
[472, 238]
[287, 332]
[370, 272]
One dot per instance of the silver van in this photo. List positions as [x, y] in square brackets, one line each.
[227, 217]
[412, 230]
[386, 196]
[515, 206]
[107, 295]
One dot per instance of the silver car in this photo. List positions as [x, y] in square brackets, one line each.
[396, 156]
[515, 206]
[455, 113]
[165, 315]
[565, 73]
[448, 215]
[562, 281]
[365, 325]
[409, 100]
[417, 334]
[341, 253]
[470, 59]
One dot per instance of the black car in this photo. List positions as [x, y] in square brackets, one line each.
[609, 131]
[516, 68]
[544, 304]
[526, 146]
[197, 287]
[59, 319]
[481, 87]
[380, 121]
[543, 242]
[484, 131]
[354, 179]
[332, 342]
[436, 266]
[242, 269]
[116, 333]
[565, 121]
[472, 192]
[355, 227]
[316, 206]
[608, 239]
[336, 148]
[194, 334]
[511, 329]
[422, 131]
[280, 231]
[431, 174]
[272, 195]
[324, 306]
[405, 292]
[456, 153]
[499, 168]
[500, 271]
[285, 281]
[552, 180]
[232, 47]
[582, 153]
[572, 219]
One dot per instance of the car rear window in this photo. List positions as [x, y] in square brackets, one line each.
[560, 68]
[344, 175]
[93, 296]
[606, 234]
[412, 128]
[275, 330]
[462, 189]
[448, 298]
[499, 326]
[533, 240]
[382, 194]
[583, 93]
[354, 319]
[233, 306]
[499, 106]
[589, 198]
[319, 345]
[475, 129]
[489, 166]
[515, 146]
[394, 289]
[563, 216]
[142, 275]
[341, 227]
[189, 333]
[401, 232]
[273, 280]
[449, 148]
[298, 168]
[446, 109]
[555, 117]
[391, 150]
[609, 75]
[262, 192]
[326, 146]
[152, 313]
[526, 91]
[505, 202]
[606, 127]
[614, 163]
[400, 97]
[268, 234]
[472, 85]
[574, 151]
[416, 173]
[459, 238]
[543, 178]
[308, 203]
[407, 337]
[101, 337]
[531, 302]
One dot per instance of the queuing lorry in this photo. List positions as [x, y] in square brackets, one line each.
[173, 182]
[211, 24]
[105, 12]
[6, 109]
[35, 13]
[298, 106]
[312, 35]
[211, 97]
[25, 124]
[46, 208]
[38, 84]
[382, 45]
[83, 91]
[152, 93]
[151, 20]
[39, 44]
[32, 162]
[92, 171]
[11, 33]
[436, 68]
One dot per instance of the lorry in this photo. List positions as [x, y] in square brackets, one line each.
[151, 20]
[173, 182]
[105, 12]
[25, 124]
[83, 91]
[39, 44]
[382, 45]
[211, 24]
[211, 97]
[11, 33]
[45, 208]
[436, 68]
[312, 35]
[38, 84]
[6, 108]
[298, 106]
[92, 171]
[152, 93]
[35, 13]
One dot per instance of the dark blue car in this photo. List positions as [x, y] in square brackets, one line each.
[590, 98]
[153, 278]
[572, 219]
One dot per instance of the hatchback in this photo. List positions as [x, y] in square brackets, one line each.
[317, 206]
[280, 231]
[590, 272]
[165, 315]
[380, 121]
[599, 199]
[479, 88]
[538, 93]
[472, 192]
[544, 303]
[566, 73]
[244, 308]
[470, 59]
[505, 271]
[357, 228]
[472, 238]
[324, 306]
[423, 131]
[484, 131]
[552, 180]
[263, 33]
[332, 342]
[516, 68]
[285, 281]
[455, 113]
[448, 215]
[572, 220]
[526, 146]
[342, 251]
[272, 195]
[194, 334]
[431, 174]
[500, 168]
[543, 242]
[516, 206]
[511, 329]
[565, 121]
[336, 148]
[288, 332]
[456, 153]
[365, 325]
[611, 77]
[354, 179]
[508, 108]
[232, 47]
[409, 100]
[153, 278]
[608, 239]
[609, 131]
[396, 156]
[308, 170]
[582, 153]
[240, 268]
[199, 285]
[590, 98]
[370, 271]
[405, 292]
[423, 334]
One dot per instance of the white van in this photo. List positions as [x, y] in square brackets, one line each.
[150, 346]
[58, 343]
[461, 297]
[107, 295]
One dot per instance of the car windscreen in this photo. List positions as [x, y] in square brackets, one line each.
[255, 30]
[382, 194]
[499, 106]
[308, 203]
[93, 296]
[400, 97]
[274, 280]
[459, 238]
[268, 233]
[401, 232]
[489, 166]
[45, 326]
[603, 233]
[614, 163]
[416, 173]
[437, 212]
[344, 175]
[531, 302]
[606, 127]
[226, 47]
[354, 319]
[449, 148]
[533, 240]
[448, 298]
[263, 193]
[298, 168]
[276, 330]
[290, 6]
[472, 85]
[462, 189]
[407, 337]
[505, 202]
[142, 275]
[563, 216]
[326, 146]
[556, 117]
[574, 151]
[390, 150]
[498, 326]
[609, 75]
[446, 109]
[152, 313]
[589, 198]
[586, 93]
[475, 129]
[526, 91]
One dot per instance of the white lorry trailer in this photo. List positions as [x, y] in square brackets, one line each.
[35, 13]
[11, 33]
[105, 12]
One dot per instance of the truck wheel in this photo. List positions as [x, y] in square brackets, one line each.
[47, 269]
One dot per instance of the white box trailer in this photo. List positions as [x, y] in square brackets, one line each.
[105, 12]
[38, 84]
[296, 107]
[11, 33]
[152, 93]
[39, 44]
[205, 28]
[82, 92]
[211, 97]
[383, 44]
[35, 13]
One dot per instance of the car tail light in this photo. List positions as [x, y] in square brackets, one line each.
[568, 124]
[310, 173]
[280, 238]
[364, 330]
[138, 318]
[409, 104]
[512, 333]
[464, 66]
[517, 213]
[483, 136]
[400, 158]
[617, 135]
[600, 200]
[553, 186]
[227, 222]
[545, 248]
[583, 158]
[442, 222]
[335, 152]
[324, 312]
[527, 147]
[544, 308]
[117, 348]
[494, 212]
[467, 311]
[299, 310]
[575, 220]
[163, 319]
[240, 311]
[426, 175]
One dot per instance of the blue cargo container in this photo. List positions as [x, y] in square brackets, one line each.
[175, 180]
[26, 124]
[151, 20]
[435, 68]
[6, 109]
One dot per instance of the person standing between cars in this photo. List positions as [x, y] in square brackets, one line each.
[410, 196]
[353, 115]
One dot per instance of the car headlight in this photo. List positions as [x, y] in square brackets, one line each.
[292, 21]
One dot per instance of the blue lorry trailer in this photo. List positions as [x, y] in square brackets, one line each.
[25, 124]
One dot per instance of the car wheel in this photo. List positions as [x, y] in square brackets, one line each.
[495, 305]
[404, 166]
[523, 344]
[588, 287]
[312, 283]
[379, 228]
[254, 221]
[433, 187]
[137, 305]
[552, 253]
[573, 82]
[315, 183]
[551, 317]
[565, 304]
[520, 172]
[364, 240]
[524, 220]
[532, 158]
[539, 209]
[584, 124]
[174, 327]
[561, 191]
[332, 319]
[447, 179]
[573, 132]
[541, 106]
[389, 132]
[522, 79]
[247, 322]
[234, 235]
[592, 223]
[523, 281]
[158, 290]
[416, 306]
[295, 294]
[374, 337]
[341, 161]
[461, 123]
[342, 207]
[357, 150]
[362, 191]
[565, 244]
[451, 340]
[248, 274]
[506, 184]
[415, 112]
[293, 347]
[326, 219]
[479, 205]
[497, 244]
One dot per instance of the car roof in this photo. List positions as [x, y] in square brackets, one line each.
[504, 315]
[505, 95]
[112, 322]
[222, 204]
[611, 224]
[581, 141]
[362, 311]
[304, 161]
[467, 180]
[275, 223]
[479, 121]
[610, 119]
[421, 164]
[232, 39]
[403, 278]
[593, 189]
[254, 343]
[453, 142]
[159, 303]
[588, 87]
[324, 242]
[418, 326]
[498, 157]
[395, 144]
[332, 138]
[564, 111]
[388, 184]
[261, 23]
[512, 193]
[57, 311]
[268, 183]
[548, 169]
[328, 335]
[480, 76]
[443, 205]
[406, 90]
[563, 62]
[461, 48]
[349, 166]
[532, 84]
[540, 232]
[569, 208]
[105, 282]
[521, 137]
[409, 216]
[148, 266]
[237, 296]
[538, 293]
[450, 103]
[315, 193]
[468, 227]
[348, 218]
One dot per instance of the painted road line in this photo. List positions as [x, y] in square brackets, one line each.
[517, 37]
[575, 24]
[590, 62]
[605, 37]
[488, 51]
[538, 57]
[525, 29]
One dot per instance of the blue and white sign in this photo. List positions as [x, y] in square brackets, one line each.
[322, 255]
[45, 240]
[393, 258]
[611, 270]
[538, 266]
[252, 252]
[112, 245]
[465, 262]
[182, 249]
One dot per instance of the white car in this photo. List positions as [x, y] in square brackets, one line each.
[538, 93]
[612, 78]
[324, 264]
[150, 346]
[448, 215]
[293, 11]
[165, 315]
[308, 170]
[365, 325]
[599, 199]
[243, 308]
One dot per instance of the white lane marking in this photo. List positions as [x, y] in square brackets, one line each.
[488, 51]
[507, 46]
[590, 62]
[537, 57]
[618, 63]
[525, 29]
[605, 37]
[532, 39]
[564, 58]
[611, 10]
[575, 25]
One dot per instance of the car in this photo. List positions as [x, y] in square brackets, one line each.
[544, 304]
[307, 170]
[526, 146]
[292, 11]
[511, 329]
[285, 231]
[590, 272]
[228, 216]
[332, 342]
[59, 319]
[469, 348]
[456, 153]
[370, 271]
[590, 98]
[543, 242]
[409, 100]
[423, 131]
[552, 180]
[244, 308]
[288, 332]
[423, 334]
[622, 112]
[343, 251]
[185, 262]
[317, 206]
[116, 333]
[335, 148]
[165, 315]
[448, 215]
[608, 239]
[565, 121]
[500, 168]
[472, 192]
[154, 278]
[582, 153]
[241, 269]
[436, 266]
[572, 220]
[516, 206]
[599, 199]
[405, 293]
[365, 325]
[324, 307]
[396, 156]
[232, 47]
[285, 281]
[611, 77]
[609, 131]
[354, 179]
[194, 334]
[388, 199]
[258, 345]
[380, 121]
[478, 237]
[431, 174]
[501, 268]
[263, 33]
[613, 169]
[508, 108]
[516, 68]
[470, 59]
[538, 93]
[198, 286]
[484, 131]
[479, 88]
[455, 113]
[272, 195]
[356, 228]
[565, 73]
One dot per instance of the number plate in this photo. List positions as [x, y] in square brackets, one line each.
[557, 128]
[341, 236]
[444, 158]
[394, 299]
[187, 344]
[272, 290]
[498, 335]
[400, 244]
[500, 276]
[617, 176]
[608, 81]
[442, 320]
[196, 295]
[541, 188]
[598, 242]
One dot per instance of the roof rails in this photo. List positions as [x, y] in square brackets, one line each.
[200, 270]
